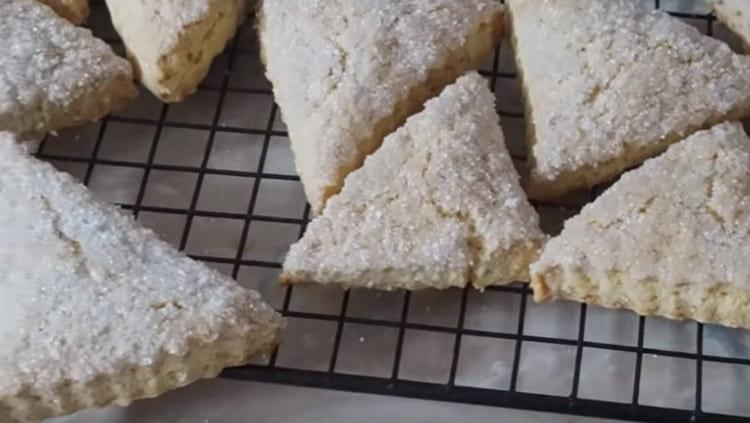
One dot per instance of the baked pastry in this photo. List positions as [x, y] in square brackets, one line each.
[76, 11]
[438, 205]
[611, 83]
[735, 14]
[173, 42]
[95, 310]
[670, 238]
[348, 73]
[53, 74]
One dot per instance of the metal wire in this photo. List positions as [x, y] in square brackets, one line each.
[392, 385]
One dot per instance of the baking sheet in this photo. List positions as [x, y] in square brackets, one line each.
[247, 111]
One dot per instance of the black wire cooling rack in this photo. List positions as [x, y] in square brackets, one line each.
[392, 382]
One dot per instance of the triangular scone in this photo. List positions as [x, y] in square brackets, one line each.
[95, 310]
[671, 238]
[347, 73]
[53, 74]
[611, 83]
[173, 42]
[438, 205]
[76, 11]
[735, 14]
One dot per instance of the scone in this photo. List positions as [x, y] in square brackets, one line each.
[348, 73]
[95, 310]
[438, 205]
[611, 83]
[670, 238]
[76, 11]
[173, 42]
[53, 74]
[735, 14]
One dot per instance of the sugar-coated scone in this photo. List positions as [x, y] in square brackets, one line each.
[348, 73]
[173, 42]
[438, 205]
[97, 311]
[76, 11]
[735, 14]
[670, 238]
[611, 83]
[53, 74]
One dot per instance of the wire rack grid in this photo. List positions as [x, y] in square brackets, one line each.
[214, 176]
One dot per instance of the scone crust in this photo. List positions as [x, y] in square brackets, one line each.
[606, 108]
[131, 383]
[96, 310]
[509, 266]
[735, 14]
[346, 74]
[669, 238]
[438, 205]
[76, 11]
[721, 303]
[55, 75]
[172, 43]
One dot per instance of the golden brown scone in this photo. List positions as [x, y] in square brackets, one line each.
[173, 42]
[438, 205]
[53, 74]
[735, 14]
[96, 310]
[611, 83]
[670, 238]
[348, 73]
[76, 11]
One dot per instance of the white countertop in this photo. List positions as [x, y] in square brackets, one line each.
[227, 401]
